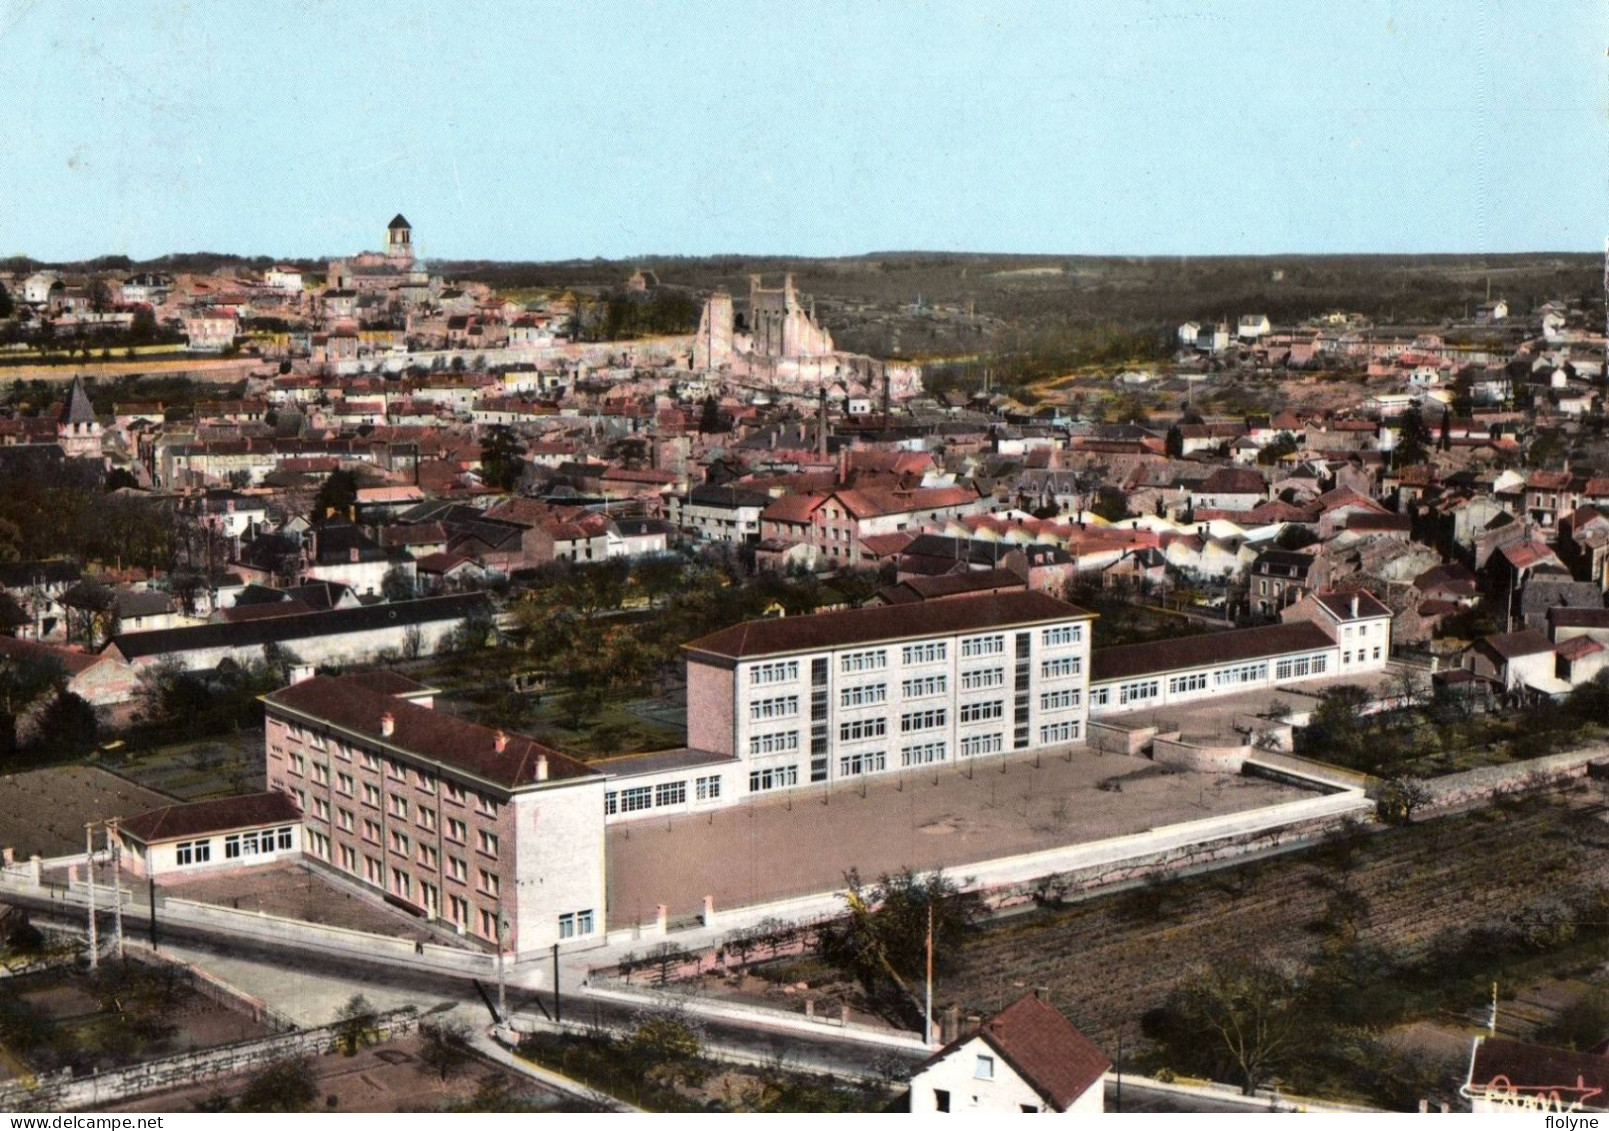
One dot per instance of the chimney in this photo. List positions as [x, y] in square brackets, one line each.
[300, 673]
[1354, 606]
[500, 742]
[541, 767]
[388, 724]
[355, 553]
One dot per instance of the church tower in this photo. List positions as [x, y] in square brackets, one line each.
[77, 430]
[399, 240]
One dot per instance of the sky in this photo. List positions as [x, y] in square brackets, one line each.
[602, 128]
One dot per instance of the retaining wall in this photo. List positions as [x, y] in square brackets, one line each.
[63, 1092]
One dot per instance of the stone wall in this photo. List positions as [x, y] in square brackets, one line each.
[63, 1092]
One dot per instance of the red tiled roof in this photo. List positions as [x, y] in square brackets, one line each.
[435, 736]
[1339, 604]
[236, 614]
[175, 822]
[1578, 647]
[892, 622]
[1234, 646]
[1513, 645]
[1055, 1059]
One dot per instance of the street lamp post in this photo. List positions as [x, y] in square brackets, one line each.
[89, 879]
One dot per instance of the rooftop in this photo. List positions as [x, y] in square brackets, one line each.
[199, 818]
[1234, 646]
[850, 627]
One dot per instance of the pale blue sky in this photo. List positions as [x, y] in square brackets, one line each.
[534, 131]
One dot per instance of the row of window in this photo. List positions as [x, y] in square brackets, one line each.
[858, 730]
[923, 720]
[1241, 673]
[780, 707]
[864, 695]
[1301, 665]
[923, 753]
[392, 768]
[1062, 700]
[863, 762]
[773, 777]
[925, 687]
[777, 742]
[637, 798]
[932, 652]
[981, 679]
[782, 671]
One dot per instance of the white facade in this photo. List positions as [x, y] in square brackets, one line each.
[559, 864]
[214, 852]
[975, 1079]
[905, 704]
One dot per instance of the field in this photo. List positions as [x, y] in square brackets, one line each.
[1440, 908]
[203, 769]
[44, 811]
[120, 1015]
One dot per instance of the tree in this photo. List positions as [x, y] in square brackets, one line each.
[1413, 443]
[355, 1025]
[882, 941]
[24, 684]
[1239, 1018]
[446, 1046]
[338, 494]
[709, 418]
[1174, 444]
[284, 1086]
[502, 459]
[68, 724]
[1401, 797]
[398, 585]
[7, 307]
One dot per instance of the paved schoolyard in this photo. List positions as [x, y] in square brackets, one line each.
[44, 811]
[295, 891]
[784, 847]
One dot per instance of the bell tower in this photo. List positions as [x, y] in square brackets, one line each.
[399, 240]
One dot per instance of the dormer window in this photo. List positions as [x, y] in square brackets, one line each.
[985, 1068]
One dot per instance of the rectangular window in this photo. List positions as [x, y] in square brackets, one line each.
[923, 720]
[927, 686]
[869, 661]
[783, 742]
[1061, 635]
[985, 1068]
[1185, 684]
[780, 707]
[486, 842]
[458, 910]
[371, 761]
[457, 831]
[321, 809]
[455, 793]
[1064, 699]
[636, 799]
[773, 777]
[298, 764]
[490, 882]
[782, 671]
[981, 679]
[1061, 667]
[858, 730]
[425, 781]
[974, 744]
[611, 803]
[373, 870]
[866, 695]
[709, 788]
[371, 831]
[864, 762]
[427, 818]
[974, 646]
[399, 807]
[400, 843]
[194, 852]
[321, 774]
[567, 926]
[401, 883]
[349, 858]
[395, 770]
[486, 805]
[1145, 689]
[1100, 696]
[922, 754]
[1240, 674]
[457, 869]
[670, 793]
[371, 795]
[933, 652]
[983, 712]
[345, 784]
[1067, 731]
[428, 856]
[345, 820]
[316, 741]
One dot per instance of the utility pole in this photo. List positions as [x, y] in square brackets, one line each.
[114, 847]
[927, 1003]
[89, 878]
[558, 1015]
[150, 895]
[502, 986]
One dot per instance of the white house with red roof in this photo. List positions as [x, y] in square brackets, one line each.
[1026, 1058]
